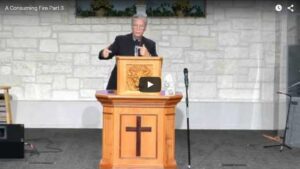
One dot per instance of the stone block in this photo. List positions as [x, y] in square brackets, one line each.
[21, 20]
[267, 91]
[170, 53]
[126, 28]
[74, 48]
[252, 24]
[269, 16]
[64, 57]
[236, 52]
[39, 56]
[60, 68]
[219, 13]
[32, 32]
[6, 35]
[202, 78]
[195, 56]
[18, 54]
[37, 91]
[242, 13]
[28, 79]
[250, 63]
[268, 36]
[229, 39]
[5, 70]
[154, 34]
[239, 94]
[65, 95]
[269, 26]
[99, 20]
[203, 91]
[164, 44]
[81, 59]
[107, 28]
[51, 17]
[24, 68]
[204, 43]
[223, 26]
[87, 93]
[194, 30]
[214, 54]
[82, 21]
[225, 67]
[250, 36]
[5, 57]
[2, 44]
[91, 71]
[59, 82]
[255, 75]
[22, 43]
[256, 51]
[44, 79]
[180, 41]
[246, 85]
[169, 32]
[82, 38]
[154, 21]
[48, 45]
[71, 28]
[268, 74]
[72, 84]
[91, 83]
[225, 81]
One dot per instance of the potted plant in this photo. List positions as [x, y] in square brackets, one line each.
[101, 7]
[181, 7]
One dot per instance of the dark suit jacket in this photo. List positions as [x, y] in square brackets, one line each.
[124, 46]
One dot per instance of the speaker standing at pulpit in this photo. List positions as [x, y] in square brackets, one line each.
[133, 44]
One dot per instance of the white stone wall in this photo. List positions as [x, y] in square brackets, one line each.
[52, 55]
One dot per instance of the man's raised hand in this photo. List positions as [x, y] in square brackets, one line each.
[106, 52]
[144, 51]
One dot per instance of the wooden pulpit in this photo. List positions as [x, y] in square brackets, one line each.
[138, 128]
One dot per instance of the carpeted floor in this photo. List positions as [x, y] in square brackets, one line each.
[210, 149]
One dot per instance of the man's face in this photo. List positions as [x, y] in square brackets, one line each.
[138, 28]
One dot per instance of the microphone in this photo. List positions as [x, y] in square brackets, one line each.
[280, 92]
[137, 43]
[186, 78]
[293, 85]
[186, 81]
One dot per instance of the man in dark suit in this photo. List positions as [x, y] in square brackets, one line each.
[133, 44]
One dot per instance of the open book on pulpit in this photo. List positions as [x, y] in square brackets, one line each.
[130, 69]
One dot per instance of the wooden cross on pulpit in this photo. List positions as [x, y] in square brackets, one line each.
[138, 129]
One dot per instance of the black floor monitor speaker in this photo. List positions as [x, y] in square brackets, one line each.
[11, 141]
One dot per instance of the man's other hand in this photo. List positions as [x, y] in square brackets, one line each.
[144, 51]
[106, 52]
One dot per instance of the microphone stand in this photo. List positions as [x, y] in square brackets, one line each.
[283, 144]
[188, 124]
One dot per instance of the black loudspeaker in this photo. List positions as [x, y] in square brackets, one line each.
[11, 141]
[294, 70]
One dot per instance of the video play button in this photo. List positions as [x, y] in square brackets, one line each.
[150, 84]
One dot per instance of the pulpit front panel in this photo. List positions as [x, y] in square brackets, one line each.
[138, 136]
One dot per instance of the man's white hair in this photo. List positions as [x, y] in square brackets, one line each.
[139, 16]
